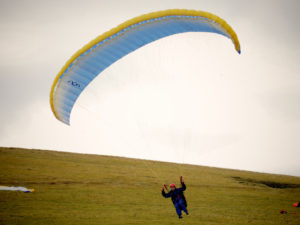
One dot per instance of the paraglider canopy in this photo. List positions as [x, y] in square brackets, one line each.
[11, 188]
[88, 62]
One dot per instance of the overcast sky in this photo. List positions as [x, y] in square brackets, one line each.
[188, 98]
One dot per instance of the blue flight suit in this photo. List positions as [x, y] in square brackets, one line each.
[178, 199]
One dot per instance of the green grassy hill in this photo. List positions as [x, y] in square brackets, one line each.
[90, 189]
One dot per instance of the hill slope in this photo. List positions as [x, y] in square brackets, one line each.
[90, 189]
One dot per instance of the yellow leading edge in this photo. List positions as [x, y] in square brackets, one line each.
[153, 15]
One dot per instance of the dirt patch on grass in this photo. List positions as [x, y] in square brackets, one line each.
[271, 184]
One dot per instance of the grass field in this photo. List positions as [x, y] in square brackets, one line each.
[89, 189]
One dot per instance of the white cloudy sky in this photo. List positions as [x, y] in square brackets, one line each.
[189, 98]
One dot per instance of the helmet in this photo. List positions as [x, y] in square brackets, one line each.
[172, 185]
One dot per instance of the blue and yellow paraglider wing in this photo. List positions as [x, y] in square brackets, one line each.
[109, 47]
